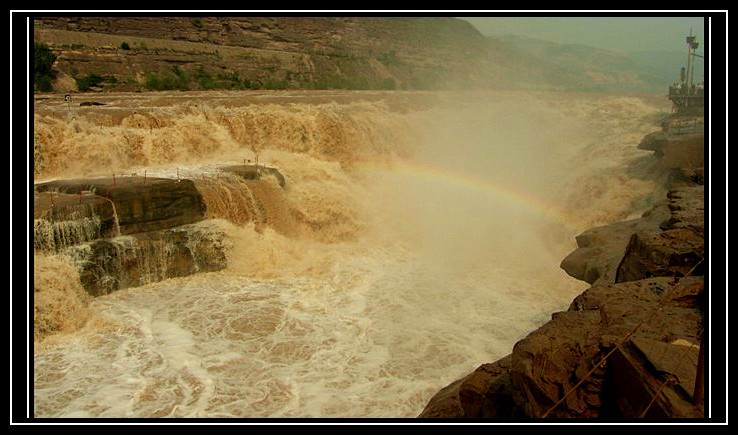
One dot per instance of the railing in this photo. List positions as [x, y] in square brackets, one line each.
[669, 379]
[685, 125]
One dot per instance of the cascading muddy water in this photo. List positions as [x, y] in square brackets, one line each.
[258, 202]
[410, 244]
[49, 235]
[60, 302]
[75, 221]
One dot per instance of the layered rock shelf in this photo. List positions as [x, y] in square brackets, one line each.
[107, 265]
[129, 231]
[141, 203]
[630, 345]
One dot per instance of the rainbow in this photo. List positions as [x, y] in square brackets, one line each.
[482, 186]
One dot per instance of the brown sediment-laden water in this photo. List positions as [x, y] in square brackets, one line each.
[415, 236]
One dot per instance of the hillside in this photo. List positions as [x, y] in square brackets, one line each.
[256, 52]
[403, 53]
[575, 65]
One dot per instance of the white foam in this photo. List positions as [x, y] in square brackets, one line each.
[383, 297]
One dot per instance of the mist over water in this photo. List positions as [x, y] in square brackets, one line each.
[417, 237]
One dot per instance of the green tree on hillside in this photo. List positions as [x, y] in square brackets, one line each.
[43, 59]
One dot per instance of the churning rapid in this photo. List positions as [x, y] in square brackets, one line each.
[417, 236]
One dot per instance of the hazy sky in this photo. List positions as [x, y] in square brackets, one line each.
[607, 32]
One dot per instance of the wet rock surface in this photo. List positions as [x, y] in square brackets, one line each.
[131, 261]
[132, 230]
[63, 220]
[255, 172]
[141, 203]
[126, 231]
[677, 149]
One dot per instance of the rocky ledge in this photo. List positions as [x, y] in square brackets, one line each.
[141, 203]
[630, 346]
[129, 231]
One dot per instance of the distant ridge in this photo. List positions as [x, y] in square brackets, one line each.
[379, 53]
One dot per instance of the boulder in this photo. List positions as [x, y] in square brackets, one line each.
[485, 393]
[549, 364]
[687, 208]
[677, 252]
[676, 150]
[600, 250]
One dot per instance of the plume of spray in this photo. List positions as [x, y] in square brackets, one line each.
[406, 248]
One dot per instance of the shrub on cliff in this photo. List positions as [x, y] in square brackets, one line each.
[88, 82]
[167, 82]
[43, 59]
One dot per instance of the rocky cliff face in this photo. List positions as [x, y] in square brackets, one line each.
[267, 52]
[404, 53]
[629, 346]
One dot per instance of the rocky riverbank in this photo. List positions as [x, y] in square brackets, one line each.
[630, 345]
